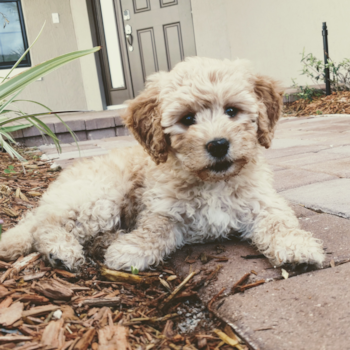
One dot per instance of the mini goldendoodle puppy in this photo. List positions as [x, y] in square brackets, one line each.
[198, 175]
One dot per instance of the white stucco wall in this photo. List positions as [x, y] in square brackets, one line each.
[271, 33]
[63, 88]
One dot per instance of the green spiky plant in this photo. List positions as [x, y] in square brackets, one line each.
[10, 88]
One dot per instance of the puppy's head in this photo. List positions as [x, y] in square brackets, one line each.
[212, 115]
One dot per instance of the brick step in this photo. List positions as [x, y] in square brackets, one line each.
[86, 125]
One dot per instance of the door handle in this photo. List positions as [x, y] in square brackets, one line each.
[129, 37]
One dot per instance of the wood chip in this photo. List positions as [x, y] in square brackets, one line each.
[54, 290]
[6, 303]
[65, 273]
[85, 340]
[34, 276]
[33, 299]
[242, 280]
[10, 315]
[40, 310]
[53, 335]
[225, 338]
[21, 264]
[14, 338]
[102, 302]
[10, 212]
[118, 276]
[34, 194]
[113, 337]
[178, 288]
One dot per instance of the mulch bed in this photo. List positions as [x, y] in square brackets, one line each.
[336, 103]
[42, 307]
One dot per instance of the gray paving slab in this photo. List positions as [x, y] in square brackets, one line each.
[74, 125]
[264, 319]
[331, 197]
[295, 150]
[118, 144]
[293, 178]
[288, 142]
[302, 159]
[276, 167]
[68, 138]
[116, 139]
[122, 131]
[340, 150]
[333, 231]
[83, 154]
[99, 123]
[51, 149]
[84, 115]
[101, 134]
[33, 131]
[306, 312]
[337, 167]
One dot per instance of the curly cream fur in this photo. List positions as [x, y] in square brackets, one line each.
[151, 199]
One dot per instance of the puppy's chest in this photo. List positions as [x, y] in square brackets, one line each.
[212, 214]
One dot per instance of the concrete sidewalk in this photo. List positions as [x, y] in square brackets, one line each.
[311, 309]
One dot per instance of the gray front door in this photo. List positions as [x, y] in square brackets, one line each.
[158, 34]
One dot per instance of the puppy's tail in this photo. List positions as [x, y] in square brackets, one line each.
[18, 240]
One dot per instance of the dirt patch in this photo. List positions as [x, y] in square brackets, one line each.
[336, 103]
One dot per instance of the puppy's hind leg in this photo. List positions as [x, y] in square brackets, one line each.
[18, 240]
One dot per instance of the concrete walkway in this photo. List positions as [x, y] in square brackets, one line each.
[311, 309]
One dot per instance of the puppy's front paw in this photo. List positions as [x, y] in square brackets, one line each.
[121, 256]
[67, 253]
[72, 261]
[298, 247]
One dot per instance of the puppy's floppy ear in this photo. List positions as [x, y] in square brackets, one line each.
[143, 118]
[270, 96]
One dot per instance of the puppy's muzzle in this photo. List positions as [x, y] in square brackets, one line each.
[218, 148]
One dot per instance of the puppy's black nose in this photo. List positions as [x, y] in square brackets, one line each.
[218, 148]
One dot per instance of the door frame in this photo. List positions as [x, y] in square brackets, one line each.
[106, 77]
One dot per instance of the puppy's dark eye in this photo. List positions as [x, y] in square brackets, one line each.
[188, 120]
[231, 111]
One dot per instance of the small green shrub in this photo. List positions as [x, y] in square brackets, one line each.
[306, 92]
[339, 73]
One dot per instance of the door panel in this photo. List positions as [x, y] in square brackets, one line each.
[173, 44]
[141, 5]
[158, 43]
[164, 3]
[148, 53]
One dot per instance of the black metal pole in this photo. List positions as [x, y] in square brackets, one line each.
[326, 57]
